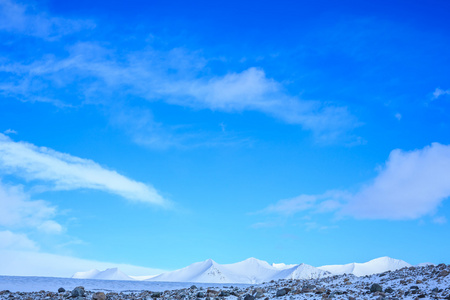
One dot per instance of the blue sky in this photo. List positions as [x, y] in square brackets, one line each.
[152, 135]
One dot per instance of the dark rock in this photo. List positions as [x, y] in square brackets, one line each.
[99, 296]
[61, 290]
[224, 294]
[249, 297]
[375, 288]
[320, 290]
[283, 292]
[78, 292]
[443, 273]
[200, 295]
[414, 287]
[156, 294]
[193, 287]
[388, 290]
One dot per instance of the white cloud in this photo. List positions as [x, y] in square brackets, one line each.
[411, 185]
[398, 116]
[32, 263]
[18, 211]
[19, 18]
[66, 172]
[144, 74]
[438, 93]
[14, 241]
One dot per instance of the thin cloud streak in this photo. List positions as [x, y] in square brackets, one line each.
[66, 172]
[22, 19]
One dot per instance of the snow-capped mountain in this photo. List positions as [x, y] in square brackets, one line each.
[374, 266]
[108, 274]
[251, 271]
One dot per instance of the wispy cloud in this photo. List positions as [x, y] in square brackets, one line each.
[23, 19]
[15, 241]
[326, 202]
[145, 74]
[141, 126]
[65, 172]
[438, 93]
[17, 210]
[440, 220]
[411, 185]
[51, 227]
[10, 131]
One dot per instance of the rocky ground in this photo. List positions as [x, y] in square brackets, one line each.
[427, 282]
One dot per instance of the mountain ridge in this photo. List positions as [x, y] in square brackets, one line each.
[253, 271]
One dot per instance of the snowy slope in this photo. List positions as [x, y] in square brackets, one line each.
[304, 271]
[205, 271]
[252, 271]
[374, 266]
[108, 274]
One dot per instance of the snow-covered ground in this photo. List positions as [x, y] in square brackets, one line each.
[34, 283]
[416, 282]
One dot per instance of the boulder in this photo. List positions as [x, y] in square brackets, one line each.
[78, 292]
[375, 288]
[99, 296]
[249, 297]
[283, 292]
